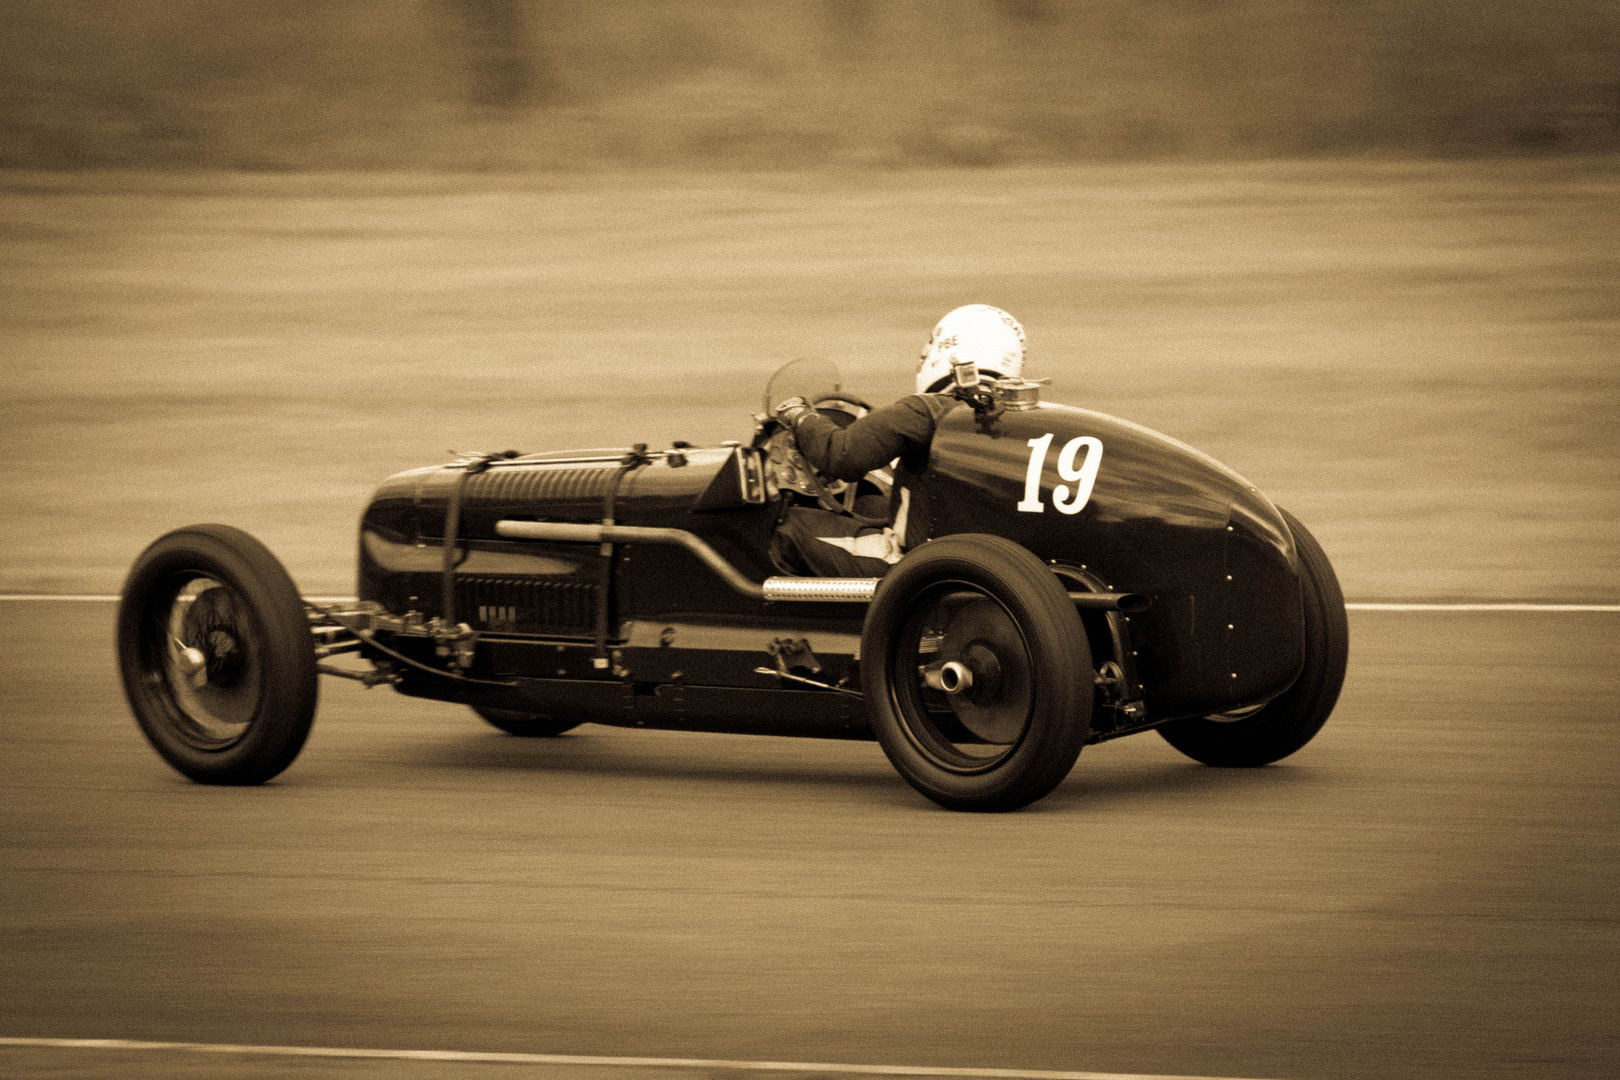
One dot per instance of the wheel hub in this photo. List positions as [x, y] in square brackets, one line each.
[983, 638]
[212, 670]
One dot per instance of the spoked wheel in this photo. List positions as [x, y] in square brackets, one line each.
[1261, 734]
[216, 655]
[528, 725]
[977, 674]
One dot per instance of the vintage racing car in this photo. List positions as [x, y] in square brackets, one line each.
[1078, 578]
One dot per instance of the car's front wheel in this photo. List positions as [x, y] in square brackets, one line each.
[216, 655]
[1252, 737]
[977, 673]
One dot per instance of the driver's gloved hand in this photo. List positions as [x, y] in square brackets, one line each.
[793, 410]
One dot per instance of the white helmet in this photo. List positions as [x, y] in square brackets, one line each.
[985, 335]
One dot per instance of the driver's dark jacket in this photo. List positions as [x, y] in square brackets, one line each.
[902, 430]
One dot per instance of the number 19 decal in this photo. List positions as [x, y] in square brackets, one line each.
[1083, 478]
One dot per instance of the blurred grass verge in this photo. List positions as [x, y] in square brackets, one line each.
[569, 84]
[1417, 358]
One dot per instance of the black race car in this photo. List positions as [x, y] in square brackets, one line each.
[1072, 578]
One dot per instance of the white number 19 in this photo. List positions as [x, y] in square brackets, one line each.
[1083, 478]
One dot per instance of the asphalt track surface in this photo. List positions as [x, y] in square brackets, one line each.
[1428, 889]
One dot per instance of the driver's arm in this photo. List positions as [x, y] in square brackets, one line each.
[872, 441]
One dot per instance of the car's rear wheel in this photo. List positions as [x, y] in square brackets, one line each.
[977, 673]
[528, 725]
[1251, 737]
[216, 655]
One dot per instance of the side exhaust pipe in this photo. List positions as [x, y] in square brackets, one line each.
[799, 590]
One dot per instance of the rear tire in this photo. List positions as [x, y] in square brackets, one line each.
[1292, 719]
[1011, 732]
[526, 725]
[216, 655]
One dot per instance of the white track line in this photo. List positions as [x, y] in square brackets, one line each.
[1482, 606]
[489, 1058]
[112, 598]
[58, 596]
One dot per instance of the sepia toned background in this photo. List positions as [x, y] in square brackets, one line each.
[257, 255]
[477, 84]
[1417, 358]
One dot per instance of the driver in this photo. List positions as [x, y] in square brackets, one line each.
[824, 544]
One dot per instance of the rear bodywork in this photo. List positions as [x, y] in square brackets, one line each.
[649, 634]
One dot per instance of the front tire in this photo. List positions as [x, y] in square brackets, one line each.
[524, 724]
[1011, 729]
[216, 655]
[1292, 719]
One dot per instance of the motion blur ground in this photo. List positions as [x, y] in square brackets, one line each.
[1426, 890]
[1416, 358]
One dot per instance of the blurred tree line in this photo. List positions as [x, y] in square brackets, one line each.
[489, 84]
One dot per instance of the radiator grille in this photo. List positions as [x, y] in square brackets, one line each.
[516, 486]
[527, 606]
